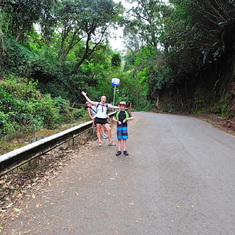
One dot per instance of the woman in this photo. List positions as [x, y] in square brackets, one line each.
[102, 117]
[92, 114]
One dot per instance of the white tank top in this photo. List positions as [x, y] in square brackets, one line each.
[101, 110]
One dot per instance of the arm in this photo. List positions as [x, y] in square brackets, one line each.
[92, 102]
[89, 113]
[112, 106]
[115, 120]
[128, 119]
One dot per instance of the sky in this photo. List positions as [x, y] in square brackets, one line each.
[118, 42]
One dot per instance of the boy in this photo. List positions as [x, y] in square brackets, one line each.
[121, 117]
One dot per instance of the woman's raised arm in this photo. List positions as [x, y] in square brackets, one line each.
[91, 102]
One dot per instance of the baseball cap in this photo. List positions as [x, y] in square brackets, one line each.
[122, 103]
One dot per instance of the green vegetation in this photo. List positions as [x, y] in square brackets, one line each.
[178, 55]
[181, 47]
[51, 51]
[23, 109]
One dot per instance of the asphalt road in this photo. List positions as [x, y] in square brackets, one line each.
[178, 179]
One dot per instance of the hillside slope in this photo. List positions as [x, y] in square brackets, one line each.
[210, 90]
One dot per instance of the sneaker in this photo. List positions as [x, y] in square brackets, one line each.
[125, 153]
[111, 143]
[105, 136]
[118, 153]
[100, 144]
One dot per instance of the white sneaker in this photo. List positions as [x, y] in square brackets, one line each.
[111, 143]
[105, 136]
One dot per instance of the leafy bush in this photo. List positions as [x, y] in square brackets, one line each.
[48, 111]
[23, 109]
[79, 113]
[16, 58]
[20, 87]
[6, 125]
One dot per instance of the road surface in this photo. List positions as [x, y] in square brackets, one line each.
[178, 179]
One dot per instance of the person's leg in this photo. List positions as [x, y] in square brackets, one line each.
[105, 135]
[101, 130]
[119, 147]
[125, 148]
[98, 126]
[109, 131]
[124, 145]
[120, 144]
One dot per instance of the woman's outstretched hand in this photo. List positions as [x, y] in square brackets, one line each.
[83, 93]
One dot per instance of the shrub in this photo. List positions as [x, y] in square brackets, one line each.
[48, 112]
[23, 109]
[79, 113]
[6, 125]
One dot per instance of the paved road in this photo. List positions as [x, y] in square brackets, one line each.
[178, 179]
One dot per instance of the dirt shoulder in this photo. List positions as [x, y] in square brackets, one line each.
[224, 124]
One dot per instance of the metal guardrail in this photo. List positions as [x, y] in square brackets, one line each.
[18, 157]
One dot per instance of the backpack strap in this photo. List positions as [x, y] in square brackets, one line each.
[93, 110]
[127, 114]
[117, 114]
[106, 105]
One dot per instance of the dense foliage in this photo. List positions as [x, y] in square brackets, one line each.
[186, 37]
[59, 48]
[62, 47]
[198, 33]
[23, 109]
[190, 33]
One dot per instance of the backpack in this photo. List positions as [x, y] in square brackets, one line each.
[106, 105]
[127, 114]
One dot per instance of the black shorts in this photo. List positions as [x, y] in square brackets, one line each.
[101, 121]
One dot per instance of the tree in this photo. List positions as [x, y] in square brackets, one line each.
[85, 23]
[146, 23]
[20, 15]
[150, 70]
[1, 33]
[144, 38]
[116, 60]
[198, 33]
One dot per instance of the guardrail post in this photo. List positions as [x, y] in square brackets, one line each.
[71, 142]
[34, 162]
